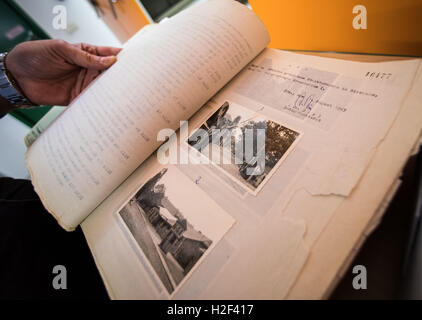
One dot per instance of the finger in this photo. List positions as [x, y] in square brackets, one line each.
[108, 51]
[83, 80]
[85, 59]
[90, 76]
[99, 51]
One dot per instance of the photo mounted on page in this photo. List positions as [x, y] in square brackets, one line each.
[175, 225]
[245, 145]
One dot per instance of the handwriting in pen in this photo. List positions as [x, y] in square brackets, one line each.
[305, 101]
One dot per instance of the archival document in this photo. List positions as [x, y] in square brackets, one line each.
[158, 80]
[324, 120]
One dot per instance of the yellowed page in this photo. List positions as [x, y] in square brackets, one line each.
[276, 227]
[270, 250]
[159, 79]
[340, 133]
[353, 219]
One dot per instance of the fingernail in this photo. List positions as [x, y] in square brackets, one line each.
[107, 61]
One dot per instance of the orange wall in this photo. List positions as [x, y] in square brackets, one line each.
[394, 26]
[130, 18]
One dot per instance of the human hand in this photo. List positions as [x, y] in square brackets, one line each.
[54, 72]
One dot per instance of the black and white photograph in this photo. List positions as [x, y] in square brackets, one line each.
[174, 227]
[231, 130]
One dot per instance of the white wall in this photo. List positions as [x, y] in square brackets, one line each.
[89, 29]
[83, 22]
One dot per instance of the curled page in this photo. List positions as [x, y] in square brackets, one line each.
[159, 79]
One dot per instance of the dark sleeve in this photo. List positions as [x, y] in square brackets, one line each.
[4, 107]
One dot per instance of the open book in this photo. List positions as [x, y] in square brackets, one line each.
[189, 228]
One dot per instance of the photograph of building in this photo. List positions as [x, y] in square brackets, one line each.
[235, 128]
[170, 242]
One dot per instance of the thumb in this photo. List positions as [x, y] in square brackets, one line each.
[87, 60]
